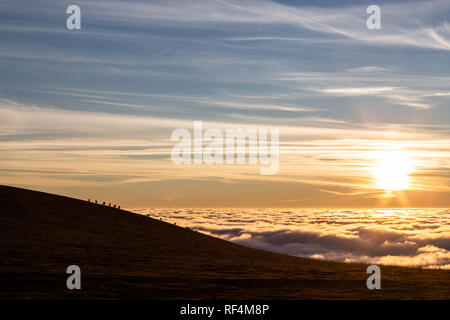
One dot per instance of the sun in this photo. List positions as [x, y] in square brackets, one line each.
[392, 170]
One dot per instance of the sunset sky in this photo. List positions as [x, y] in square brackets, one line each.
[363, 115]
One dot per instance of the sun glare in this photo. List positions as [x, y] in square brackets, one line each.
[392, 170]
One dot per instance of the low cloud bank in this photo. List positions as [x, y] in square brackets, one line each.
[413, 237]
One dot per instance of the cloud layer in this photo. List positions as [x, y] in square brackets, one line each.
[408, 237]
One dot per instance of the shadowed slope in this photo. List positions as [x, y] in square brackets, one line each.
[125, 255]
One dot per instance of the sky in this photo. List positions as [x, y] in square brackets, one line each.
[89, 113]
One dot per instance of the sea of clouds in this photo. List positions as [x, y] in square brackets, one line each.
[407, 237]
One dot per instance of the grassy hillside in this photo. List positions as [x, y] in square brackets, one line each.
[125, 255]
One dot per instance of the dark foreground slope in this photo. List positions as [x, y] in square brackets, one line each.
[125, 255]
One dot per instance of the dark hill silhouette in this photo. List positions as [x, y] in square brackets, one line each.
[126, 255]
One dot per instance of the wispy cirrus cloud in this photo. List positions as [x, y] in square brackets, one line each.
[368, 69]
[361, 91]
[324, 154]
[398, 95]
[402, 24]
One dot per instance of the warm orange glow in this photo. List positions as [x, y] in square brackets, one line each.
[392, 170]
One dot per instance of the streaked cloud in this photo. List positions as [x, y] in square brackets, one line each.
[368, 69]
[330, 159]
[402, 24]
[361, 91]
